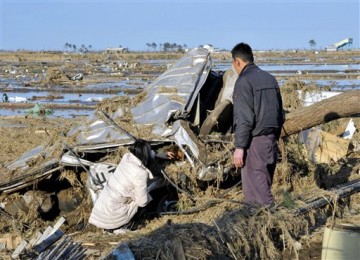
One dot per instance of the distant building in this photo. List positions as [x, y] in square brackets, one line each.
[339, 45]
[331, 48]
[209, 47]
[116, 50]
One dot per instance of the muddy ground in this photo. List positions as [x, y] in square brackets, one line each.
[297, 179]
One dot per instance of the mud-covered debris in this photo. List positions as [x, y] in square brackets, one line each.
[56, 75]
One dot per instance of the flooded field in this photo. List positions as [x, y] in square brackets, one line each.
[26, 80]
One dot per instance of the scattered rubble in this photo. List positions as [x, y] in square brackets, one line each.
[208, 219]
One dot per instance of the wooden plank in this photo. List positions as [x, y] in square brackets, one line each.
[33, 241]
[44, 235]
[19, 249]
[57, 225]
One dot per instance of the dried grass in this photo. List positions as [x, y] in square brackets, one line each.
[261, 235]
[71, 177]
[116, 156]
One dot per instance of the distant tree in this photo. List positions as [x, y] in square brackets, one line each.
[312, 43]
[83, 48]
[153, 46]
[167, 46]
[148, 45]
[67, 46]
[74, 47]
[179, 48]
[90, 47]
[185, 46]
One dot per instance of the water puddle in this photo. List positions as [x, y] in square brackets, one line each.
[61, 113]
[134, 84]
[127, 85]
[45, 97]
[312, 68]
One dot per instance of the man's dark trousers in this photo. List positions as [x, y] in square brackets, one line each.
[257, 174]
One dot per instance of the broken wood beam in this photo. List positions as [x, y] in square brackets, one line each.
[339, 106]
[19, 249]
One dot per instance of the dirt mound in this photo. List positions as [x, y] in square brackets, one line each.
[56, 76]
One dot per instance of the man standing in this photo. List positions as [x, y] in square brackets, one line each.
[5, 98]
[258, 119]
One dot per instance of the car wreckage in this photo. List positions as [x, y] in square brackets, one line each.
[187, 109]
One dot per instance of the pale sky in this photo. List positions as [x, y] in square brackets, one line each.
[270, 24]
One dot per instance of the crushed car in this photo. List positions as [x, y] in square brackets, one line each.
[187, 109]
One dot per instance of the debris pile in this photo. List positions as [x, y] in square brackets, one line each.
[48, 244]
[56, 76]
[191, 216]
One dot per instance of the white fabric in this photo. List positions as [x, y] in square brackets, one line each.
[124, 192]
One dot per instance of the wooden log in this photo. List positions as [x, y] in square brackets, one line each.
[343, 105]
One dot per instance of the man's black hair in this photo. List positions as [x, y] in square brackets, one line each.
[142, 150]
[243, 51]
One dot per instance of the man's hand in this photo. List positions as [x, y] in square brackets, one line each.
[170, 155]
[239, 158]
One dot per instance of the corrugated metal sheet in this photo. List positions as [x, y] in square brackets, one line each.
[174, 92]
[170, 96]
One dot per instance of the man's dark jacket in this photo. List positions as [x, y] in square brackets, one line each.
[257, 105]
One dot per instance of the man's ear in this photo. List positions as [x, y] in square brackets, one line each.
[238, 62]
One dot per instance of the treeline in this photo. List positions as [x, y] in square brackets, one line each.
[72, 47]
[166, 46]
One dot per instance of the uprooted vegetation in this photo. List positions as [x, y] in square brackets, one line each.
[212, 221]
[217, 224]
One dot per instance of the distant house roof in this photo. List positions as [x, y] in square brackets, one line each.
[117, 50]
[209, 47]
